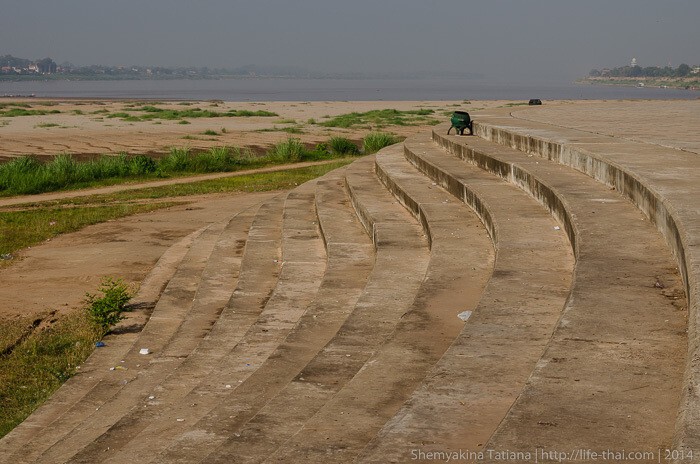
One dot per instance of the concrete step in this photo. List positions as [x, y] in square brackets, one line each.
[469, 391]
[170, 311]
[666, 192]
[302, 267]
[621, 340]
[401, 262]
[461, 261]
[350, 259]
[93, 370]
[260, 247]
[186, 308]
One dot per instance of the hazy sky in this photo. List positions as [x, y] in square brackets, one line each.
[503, 39]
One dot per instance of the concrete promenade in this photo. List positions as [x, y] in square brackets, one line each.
[650, 152]
[512, 296]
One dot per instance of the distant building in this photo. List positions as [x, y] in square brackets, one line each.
[46, 66]
[634, 62]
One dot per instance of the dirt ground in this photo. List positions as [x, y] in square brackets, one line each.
[54, 276]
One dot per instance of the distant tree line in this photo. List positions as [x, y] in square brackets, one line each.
[13, 68]
[682, 70]
[12, 61]
[12, 65]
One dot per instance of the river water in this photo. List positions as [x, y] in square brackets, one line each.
[333, 90]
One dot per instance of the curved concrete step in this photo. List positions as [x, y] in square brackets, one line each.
[401, 261]
[461, 261]
[665, 191]
[168, 314]
[350, 259]
[184, 312]
[472, 387]
[93, 370]
[302, 267]
[621, 340]
[260, 246]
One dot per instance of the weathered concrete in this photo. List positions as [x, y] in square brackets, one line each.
[461, 260]
[399, 268]
[144, 427]
[658, 176]
[471, 388]
[168, 316]
[93, 371]
[221, 271]
[350, 259]
[619, 297]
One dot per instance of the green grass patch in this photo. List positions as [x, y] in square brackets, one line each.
[382, 118]
[24, 228]
[106, 310]
[14, 104]
[375, 141]
[149, 112]
[27, 175]
[14, 112]
[39, 364]
[289, 151]
[343, 146]
[210, 132]
[259, 182]
[47, 124]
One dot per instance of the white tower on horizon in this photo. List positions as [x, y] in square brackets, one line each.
[634, 62]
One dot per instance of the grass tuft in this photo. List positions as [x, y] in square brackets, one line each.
[289, 151]
[106, 310]
[343, 146]
[375, 141]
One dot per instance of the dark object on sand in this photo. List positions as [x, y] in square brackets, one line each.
[534, 101]
[460, 120]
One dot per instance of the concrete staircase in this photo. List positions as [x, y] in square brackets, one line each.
[322, 325]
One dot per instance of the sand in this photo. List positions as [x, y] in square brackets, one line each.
[90, 134]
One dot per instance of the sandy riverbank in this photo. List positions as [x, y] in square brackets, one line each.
[84, 128]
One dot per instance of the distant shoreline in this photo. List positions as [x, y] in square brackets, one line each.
[294, 89]
[223, 77]
[663, 82]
